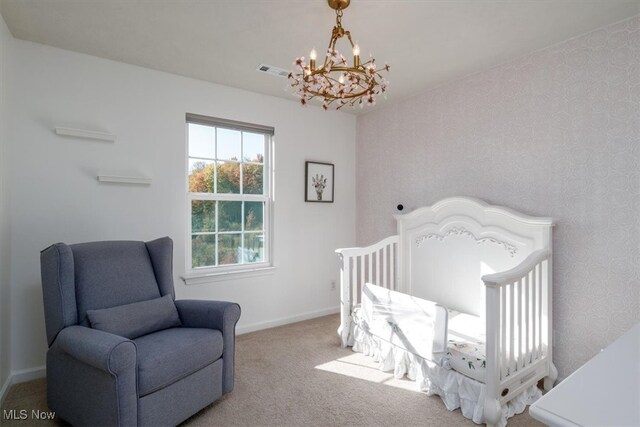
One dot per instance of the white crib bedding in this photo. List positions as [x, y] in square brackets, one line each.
[452, 378]
[466, 346]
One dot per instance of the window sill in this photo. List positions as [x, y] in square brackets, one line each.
[200, 279]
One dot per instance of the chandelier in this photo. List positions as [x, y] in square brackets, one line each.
[334, 81]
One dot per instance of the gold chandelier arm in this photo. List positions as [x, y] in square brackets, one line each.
[331, 47]
[363, 89]
[348, 34]
[332, 42]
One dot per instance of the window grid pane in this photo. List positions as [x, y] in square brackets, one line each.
[228, 177]
[203, 216]
[200, 176]
[253, 247]
[253, 178]
[203, 251]
[202, 141]
[253, 216]
[253, 147]
[228, 144]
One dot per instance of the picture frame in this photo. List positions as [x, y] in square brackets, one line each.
[319, 182]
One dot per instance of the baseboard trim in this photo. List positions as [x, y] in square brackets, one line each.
[21, 376]
[24, 375]
[286, 320]
[5, 390]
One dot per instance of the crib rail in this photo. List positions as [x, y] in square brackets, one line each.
[376, 264]
[518, 324]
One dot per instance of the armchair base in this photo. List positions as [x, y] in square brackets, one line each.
[177, 402]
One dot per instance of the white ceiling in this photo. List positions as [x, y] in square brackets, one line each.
[426, 42]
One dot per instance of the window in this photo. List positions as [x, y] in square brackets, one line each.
[228, 195]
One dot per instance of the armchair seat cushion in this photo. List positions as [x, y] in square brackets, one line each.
[167, 356]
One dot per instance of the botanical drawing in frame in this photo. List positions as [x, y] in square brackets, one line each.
[318, 182]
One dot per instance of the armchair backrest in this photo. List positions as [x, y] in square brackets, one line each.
[89, 276]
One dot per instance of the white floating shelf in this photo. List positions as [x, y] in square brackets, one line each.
[87, 134]
[136, 180]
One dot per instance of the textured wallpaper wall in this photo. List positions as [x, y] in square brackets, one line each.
[556, 133]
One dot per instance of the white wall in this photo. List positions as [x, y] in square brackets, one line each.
[55, 196]
[5, 45]
[556, 133]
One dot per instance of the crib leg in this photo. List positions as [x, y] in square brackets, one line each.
[551, 378]
[345, 331]
[492, 412]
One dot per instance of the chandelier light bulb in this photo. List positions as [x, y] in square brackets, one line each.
[356, 50]
[341, 79]
[312, 59]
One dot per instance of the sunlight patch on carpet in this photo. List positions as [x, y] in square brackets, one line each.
[362, 367]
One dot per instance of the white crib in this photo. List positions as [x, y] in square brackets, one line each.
[486, 261]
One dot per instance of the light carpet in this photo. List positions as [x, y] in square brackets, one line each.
[297, 375]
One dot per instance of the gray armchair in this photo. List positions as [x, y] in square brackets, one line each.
[121, 350]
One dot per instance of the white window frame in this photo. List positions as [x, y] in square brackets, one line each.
[211, 273]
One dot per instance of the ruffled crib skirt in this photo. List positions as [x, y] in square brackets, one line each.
[455, 389]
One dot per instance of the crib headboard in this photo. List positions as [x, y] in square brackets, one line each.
[446, 248]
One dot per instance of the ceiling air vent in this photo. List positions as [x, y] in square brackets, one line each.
[270, 69]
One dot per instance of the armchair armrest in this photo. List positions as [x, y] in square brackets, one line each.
[91, 377]
[108, 352]
[220, 315]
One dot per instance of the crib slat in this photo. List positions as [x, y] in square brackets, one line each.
[353, 279]
[534, 285]
[540, 282]
[519, 318]
[352, 282]
[529, 317]
[503, 329]
[384, 268]
[361, 280]
[348, 281]
[511, 321]
[392, 266]
[378, 276]
[370, 276]
[525, 320]
[532, 308]
[548, 312]
[375, 267]
[379, 267]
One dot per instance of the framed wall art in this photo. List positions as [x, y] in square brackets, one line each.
[318, 182]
